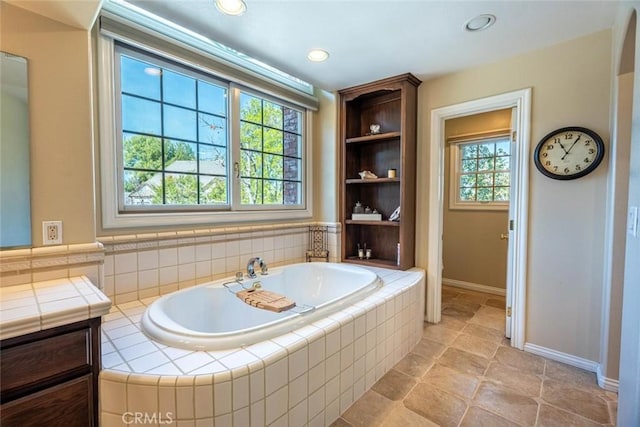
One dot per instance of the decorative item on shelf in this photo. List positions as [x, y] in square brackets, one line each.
[391, 173]
[360, 251]
[368, 215]
[367, 175]
[358, 209]
[395, 216]
[367, 253]
[374, 128]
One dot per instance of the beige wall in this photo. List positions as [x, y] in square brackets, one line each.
[326, 158]
[61, 120]
[566, 219]
[472, 251]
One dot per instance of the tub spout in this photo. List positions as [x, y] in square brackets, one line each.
[251, 273]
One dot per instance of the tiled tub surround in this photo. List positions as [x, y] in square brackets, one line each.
[43, 305]
[306, 377]
[26, 266]
[145, 265]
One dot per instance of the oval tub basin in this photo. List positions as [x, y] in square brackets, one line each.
[211, 317]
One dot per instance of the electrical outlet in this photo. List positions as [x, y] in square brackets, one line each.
[51, 232]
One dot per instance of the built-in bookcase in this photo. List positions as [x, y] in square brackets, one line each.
[392, 104]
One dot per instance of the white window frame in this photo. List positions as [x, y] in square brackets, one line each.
[113, 217]
[454, 174]
[234, 115]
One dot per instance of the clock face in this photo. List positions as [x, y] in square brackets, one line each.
[569, 153]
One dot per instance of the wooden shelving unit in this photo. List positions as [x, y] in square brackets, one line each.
[392, 104]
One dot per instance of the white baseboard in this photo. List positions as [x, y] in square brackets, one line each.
[474, 286]
[559, 356]
[606, 383]
[589, 365]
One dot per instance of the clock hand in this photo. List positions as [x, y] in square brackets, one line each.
[574, 143]
[562, 146]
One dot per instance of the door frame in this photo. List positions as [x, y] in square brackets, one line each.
[521, 100]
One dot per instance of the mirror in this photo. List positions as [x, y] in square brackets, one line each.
[15, 207]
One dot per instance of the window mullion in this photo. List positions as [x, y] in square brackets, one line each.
[234, 145]
[162, 144]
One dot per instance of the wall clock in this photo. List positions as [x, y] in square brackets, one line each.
[569, 153]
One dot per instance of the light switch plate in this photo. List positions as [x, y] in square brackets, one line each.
[632, 221]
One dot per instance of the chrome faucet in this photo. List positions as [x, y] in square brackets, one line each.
[250, 267]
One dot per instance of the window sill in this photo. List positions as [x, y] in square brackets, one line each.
[140, 220]
[479, 206]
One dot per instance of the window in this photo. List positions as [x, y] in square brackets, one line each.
[480, 174]
[270, 152]
[190, 144]
[174, 136]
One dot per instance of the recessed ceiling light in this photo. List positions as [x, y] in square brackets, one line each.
[317, 55]
[480, 22]
[231, 7]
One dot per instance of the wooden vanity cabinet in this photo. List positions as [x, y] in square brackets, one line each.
[50, 377]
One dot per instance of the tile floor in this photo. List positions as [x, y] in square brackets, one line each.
[464, 373]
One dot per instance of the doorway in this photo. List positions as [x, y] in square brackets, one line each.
[520, 101]
[476, 206]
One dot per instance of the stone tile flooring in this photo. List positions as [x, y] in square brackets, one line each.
[464, 373]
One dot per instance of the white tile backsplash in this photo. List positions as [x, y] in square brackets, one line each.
[241, 417]
[298, 390]
[276, 375]
[241, 394]
[148, 259]
[222, 397]
[276, 404]
[168, 257]
[298, 363]
[142, 398]
[204, 401]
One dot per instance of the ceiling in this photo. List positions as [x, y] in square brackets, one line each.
[373, 39]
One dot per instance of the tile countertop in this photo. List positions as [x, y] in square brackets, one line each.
[42, 305]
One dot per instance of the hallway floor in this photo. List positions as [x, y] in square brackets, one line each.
[464, 373]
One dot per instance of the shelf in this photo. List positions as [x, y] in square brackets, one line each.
[370, 181]
[384, 223]
[374, 262]
[373, 138]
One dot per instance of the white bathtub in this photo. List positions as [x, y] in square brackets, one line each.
[211, 317]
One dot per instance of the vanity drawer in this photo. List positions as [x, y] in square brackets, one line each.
[46, 359]
[68, 404]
